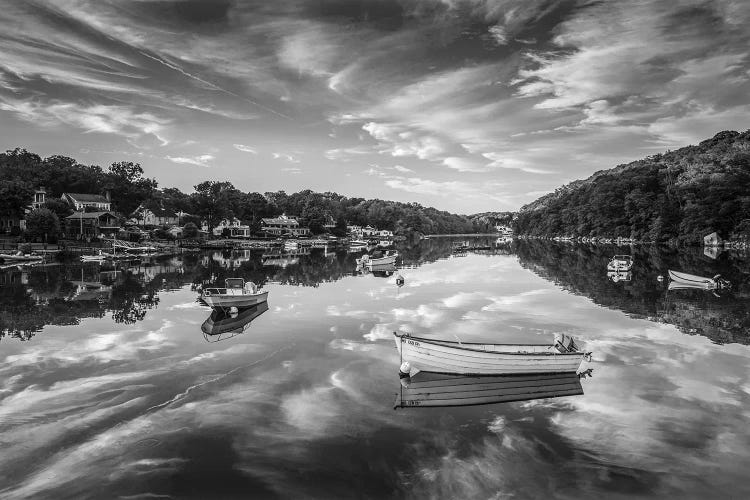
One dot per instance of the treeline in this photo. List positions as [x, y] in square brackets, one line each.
[676, 197]
[22, 171]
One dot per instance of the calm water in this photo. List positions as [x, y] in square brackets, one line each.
[109, 387]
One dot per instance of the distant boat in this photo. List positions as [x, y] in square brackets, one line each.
[236, 293]
[436, 390]
[18, 256]
[617, 276]
[387, 260]
[620, 263]
[685, 280]
[469, 358]
[221, 324]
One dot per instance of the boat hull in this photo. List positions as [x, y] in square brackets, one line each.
[240, 300]
[692, 280]
[436, 390]
[481, 359]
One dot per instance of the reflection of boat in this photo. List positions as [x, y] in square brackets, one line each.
[388, 259]
[620, 263]
[434, 389]
[619, 275]
[236, 293]
[20, 257]
[685, 280]
[502, 240]
[221, 325]
[469, 358]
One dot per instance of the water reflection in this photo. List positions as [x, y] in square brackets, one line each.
[436, 390]
[224, 324]
[301, 406]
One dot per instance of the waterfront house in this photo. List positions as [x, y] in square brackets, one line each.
[85, 201]
[283, 225]
[236, 228]
[86, 225]
[712, 240]
[155, 216]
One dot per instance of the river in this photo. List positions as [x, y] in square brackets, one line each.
[113, 384]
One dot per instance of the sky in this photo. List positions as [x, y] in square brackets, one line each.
[464, 105]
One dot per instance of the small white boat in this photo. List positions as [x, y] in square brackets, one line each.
[469, 358]
[18, 256]
[388, 259]
[617, 276]
[236, 293]
[620, 263]
[685, 280]
[435, 389]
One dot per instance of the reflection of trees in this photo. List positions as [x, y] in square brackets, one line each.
[582, 270]
[130, 300]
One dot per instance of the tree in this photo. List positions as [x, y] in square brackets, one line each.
[59, 207]
[190, 230]
[42, 222]
[126, 180]
[15, 196]
[214, 200]
[340, 228]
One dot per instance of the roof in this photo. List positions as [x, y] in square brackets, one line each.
[281, 220]
[88, 198]
[89, 215]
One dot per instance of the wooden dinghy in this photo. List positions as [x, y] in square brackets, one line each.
[468, 358]
[436, 390]
[684, 280]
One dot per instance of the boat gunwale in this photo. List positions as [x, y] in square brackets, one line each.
[459, 345]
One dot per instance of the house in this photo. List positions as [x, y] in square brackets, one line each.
[234, 226]
[155, 216]
[83, 225]
[712, 240]
[84, 201]
[8, 222]
[504, 230]
[283, 224]
[384, 233]
[330, 223]
[175, 231]
[369, 231]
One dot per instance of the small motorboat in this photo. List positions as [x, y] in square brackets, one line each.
[20, 257]
[618, 276]
[437, 390]
[684, 280]
[620, 263]
[389, 259]
[469, 358]
[236, 293]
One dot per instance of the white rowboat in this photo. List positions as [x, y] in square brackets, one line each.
[684, 280]
[433, 389]
[468, 358]
[388, 259]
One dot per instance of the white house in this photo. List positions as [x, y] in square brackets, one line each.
[155, 216]
[82, 201]
[284, 224]
[235, 227]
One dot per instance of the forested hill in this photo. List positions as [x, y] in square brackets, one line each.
[22, 171]
[676, 197]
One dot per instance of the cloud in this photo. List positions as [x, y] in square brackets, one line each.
[198, 161]
[285, 157]
[246, 149]
[399, 141]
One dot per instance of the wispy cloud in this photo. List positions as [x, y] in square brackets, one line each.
[246, 149]
[198, 161]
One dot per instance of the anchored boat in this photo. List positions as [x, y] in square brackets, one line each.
[388, 259]
[236, 293]
[469, 358]
[620, 263]
[434, 389]
[685, 280]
